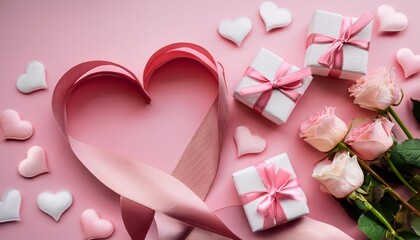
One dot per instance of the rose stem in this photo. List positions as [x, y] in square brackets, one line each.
[354, 196]
[398, 120]
[377, 177]
[398, 174]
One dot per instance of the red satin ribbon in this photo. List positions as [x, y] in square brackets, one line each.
[285, 83]
[333, 56]
[278, 186]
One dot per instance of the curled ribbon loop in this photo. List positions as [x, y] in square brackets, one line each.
[285, 82]
[279, 185]
[333, 56]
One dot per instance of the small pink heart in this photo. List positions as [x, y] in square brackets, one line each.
[15, 128]
[409, 62]
[248, 143]
[94, 227]
[34, 164]
[390, 20]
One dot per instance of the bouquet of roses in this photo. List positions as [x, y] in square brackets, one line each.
[366, 161]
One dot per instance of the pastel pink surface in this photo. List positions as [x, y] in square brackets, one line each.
[15, 128]
[93, 226]
[391, 20]
[34, 164]
[246, 142]
[409, 62]
[107, 114]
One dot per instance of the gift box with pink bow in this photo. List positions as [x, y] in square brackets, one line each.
[271, 86]
[270, 193]
[338, 46]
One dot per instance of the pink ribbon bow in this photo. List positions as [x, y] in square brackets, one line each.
[278, 186]
[333, 56]
[285, 83]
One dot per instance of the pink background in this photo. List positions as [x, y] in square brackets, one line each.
[61, 34]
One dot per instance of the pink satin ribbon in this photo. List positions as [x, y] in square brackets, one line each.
[279, 185]
[333, 56]
[144, 189]
[284, 82]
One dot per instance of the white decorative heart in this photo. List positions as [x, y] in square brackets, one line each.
[10, 206]
[34, 164]
[390, 20]
[235, 30]
[273, 16]
[94, 227]
[55, 204]
[33, 79]
[248, 143]
[15, 128]
[409, 62]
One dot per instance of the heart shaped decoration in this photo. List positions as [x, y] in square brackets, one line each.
[390, 20]
[409, 62]
[55, 204]
[33, 79]
[94, 227]
[15, 128]
[34, 164]
[248, 143]
[235, 30]
[273, 16]
[10, 206]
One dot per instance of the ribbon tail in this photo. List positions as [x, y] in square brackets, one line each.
[256, 89]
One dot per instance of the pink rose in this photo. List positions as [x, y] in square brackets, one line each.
[371, 138]
[323, 130]
[377, 91]
[341, 176]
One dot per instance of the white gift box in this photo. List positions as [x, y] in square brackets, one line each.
[279, 106]
[247, 181]
[355, 60]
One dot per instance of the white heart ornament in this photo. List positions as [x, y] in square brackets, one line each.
[33, 79]
[10, 206]
[409, 62]
[34, 164]
[55, 204]
[390, 20]
[94, 227]
[235, 30]
[246, 142]
[273, 16]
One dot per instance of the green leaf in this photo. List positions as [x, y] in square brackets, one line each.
[416, 109]
[415, 182]
[415, 224]
[371, 228]
[352, 210]
[415, 201]
[388, 207]
[408, 235]
[406, 154]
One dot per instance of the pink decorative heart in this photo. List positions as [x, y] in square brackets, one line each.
[34, 164]
[94, 227]
[390, 20]
[409, 62]
[15, 128]
[248, 143]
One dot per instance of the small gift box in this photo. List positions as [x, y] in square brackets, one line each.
[272, 87]
[270, 193]
[338, 46]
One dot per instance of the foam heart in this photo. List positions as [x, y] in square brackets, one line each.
[409, 62]
[55, 204]
[33, 79]
[10, 206]
[273, 16]
[15, 128]
[235, 30]
[93, 226]
[34, 164]
[248, 143]
[390, 20]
